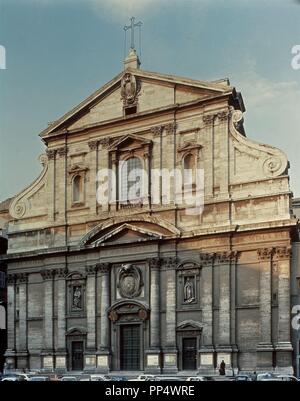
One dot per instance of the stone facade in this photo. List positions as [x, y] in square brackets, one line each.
[4, 217]
[295, 293]
[191, 289]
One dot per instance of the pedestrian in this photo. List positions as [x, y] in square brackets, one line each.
[222, 368]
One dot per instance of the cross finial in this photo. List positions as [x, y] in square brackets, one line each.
[132, 26]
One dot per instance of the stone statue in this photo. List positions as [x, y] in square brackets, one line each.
[129, 89]
[77, 297]
[189, 293]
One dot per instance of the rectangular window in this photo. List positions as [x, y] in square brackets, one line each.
[130, 110]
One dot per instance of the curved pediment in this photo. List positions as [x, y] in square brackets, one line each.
[132, 229]
[190, 325]
[76, 331]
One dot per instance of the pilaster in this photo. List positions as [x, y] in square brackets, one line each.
[265, 346]
[283, 346]
[103, 351]
[153, 354]
[170, 350]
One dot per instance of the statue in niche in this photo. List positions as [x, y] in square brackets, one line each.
[189, 291]
[129, 89]
[76, 297]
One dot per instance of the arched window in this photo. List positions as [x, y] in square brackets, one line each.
[131, 179]
[188, 170]
[77, 188]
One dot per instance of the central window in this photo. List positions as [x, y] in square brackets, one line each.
[131, 179]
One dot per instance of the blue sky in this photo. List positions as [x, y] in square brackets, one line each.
[59, 51]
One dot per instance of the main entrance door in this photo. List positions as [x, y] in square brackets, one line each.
[130, 347]
[189, 353]
[77, 355]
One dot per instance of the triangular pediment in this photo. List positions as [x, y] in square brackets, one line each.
[154, 92]
[127, 233]
[128, 142]
[132, 229]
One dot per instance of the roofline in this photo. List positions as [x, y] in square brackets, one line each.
[81, 105]
[210, 85]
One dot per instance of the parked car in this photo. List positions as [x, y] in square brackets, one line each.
[98, 378]
[118, 378]
[171, 378]
[13, 377]
[196, 379]
[143, 378]
[40, 379]
[287, 378]
[242, 378]
[69, 379]
[85, 378]
[265, 376]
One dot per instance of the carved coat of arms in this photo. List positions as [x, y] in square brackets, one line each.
[129, 281]
[129, 89]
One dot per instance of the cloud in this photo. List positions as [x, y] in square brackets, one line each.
[125, 7]
[262, 91]
[122, 10]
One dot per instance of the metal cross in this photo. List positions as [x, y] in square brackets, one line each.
[132, 26]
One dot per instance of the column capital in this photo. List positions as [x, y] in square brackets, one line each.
[223, 115]
[62, 151]
[48, 274]
[226, 257]
[208, 119]
[93, 144]
[154, 263]
[62, 272]
[206, 259]
[103, 267]
[170, 128]
[170, 263]
[11, 279]
[22, 278]
[265, 253]
[283, 252]
[91, 270]
[51, 153]
[105, 142]
[157, 130]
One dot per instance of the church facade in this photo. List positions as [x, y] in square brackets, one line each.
[151, 285]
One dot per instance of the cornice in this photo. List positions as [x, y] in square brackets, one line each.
[124, 119]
